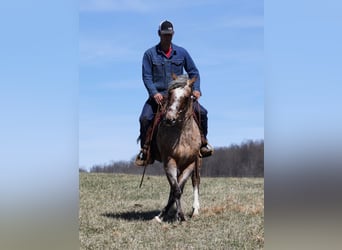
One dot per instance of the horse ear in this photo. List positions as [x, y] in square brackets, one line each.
[174, 76]
[191, 81]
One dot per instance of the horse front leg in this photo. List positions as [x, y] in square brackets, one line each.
[180, 214]
[182, 179]
[175, 192]
[166, 209]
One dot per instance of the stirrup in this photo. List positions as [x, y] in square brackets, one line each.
[140, 160]
[206, 150]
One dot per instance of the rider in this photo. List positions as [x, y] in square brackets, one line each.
[159, 63]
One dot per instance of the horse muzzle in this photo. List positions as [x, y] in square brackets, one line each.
[170, 122]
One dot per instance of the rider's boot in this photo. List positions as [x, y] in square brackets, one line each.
[206, 149]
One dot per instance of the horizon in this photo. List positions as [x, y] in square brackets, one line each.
[133, 157]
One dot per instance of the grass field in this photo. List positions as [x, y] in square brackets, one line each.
[116, 214]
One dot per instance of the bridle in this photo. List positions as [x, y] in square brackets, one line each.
[181, 118]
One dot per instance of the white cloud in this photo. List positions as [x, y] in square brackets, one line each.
[123, 84]
[222, 23]
[220, 57]
[102, 51]
[137, 5]
[134, 83]
[244, 22]
[126, 5]
[113, 5]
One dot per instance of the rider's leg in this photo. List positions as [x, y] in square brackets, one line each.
[145, 120]
[202, 114]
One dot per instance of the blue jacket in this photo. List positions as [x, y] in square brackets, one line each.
[157, 69]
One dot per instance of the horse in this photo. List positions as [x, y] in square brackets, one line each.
[178, 141]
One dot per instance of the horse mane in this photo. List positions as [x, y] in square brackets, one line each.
[181, 81]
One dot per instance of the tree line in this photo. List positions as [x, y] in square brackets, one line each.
[244, 160]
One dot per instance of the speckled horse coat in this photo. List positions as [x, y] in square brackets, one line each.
[178, 141]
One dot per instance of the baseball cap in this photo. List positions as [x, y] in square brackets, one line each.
[166, 27]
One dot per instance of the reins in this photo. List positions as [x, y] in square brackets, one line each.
[142, 177]
[160, 111]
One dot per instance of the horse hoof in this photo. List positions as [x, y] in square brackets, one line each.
[181, 217]
[195, 213]
[156, 218]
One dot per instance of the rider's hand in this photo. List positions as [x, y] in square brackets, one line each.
[158, 98]
[196, 94]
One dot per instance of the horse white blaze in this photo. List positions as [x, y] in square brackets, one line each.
[173, 108]
[196, 205]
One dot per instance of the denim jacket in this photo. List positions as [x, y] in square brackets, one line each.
[157, 69]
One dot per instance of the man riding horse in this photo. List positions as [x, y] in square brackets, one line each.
[159, 64]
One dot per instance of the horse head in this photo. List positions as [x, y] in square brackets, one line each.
[179, 99]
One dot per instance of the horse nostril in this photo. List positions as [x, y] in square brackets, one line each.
[170, 122]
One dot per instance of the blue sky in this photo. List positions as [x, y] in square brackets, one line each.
[225, 39]
[57, 99]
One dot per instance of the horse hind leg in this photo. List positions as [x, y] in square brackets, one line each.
[196, 205]
[195, 185]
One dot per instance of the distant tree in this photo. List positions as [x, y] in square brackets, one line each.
[244, 160]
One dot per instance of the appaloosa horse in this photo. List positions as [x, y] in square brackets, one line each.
[178, 140]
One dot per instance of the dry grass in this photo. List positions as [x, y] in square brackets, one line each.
[116, 214]
[232, 205]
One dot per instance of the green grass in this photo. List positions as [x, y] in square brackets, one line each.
[116, 214]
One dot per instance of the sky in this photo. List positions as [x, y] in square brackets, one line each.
[224, 38]
[71, 94]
